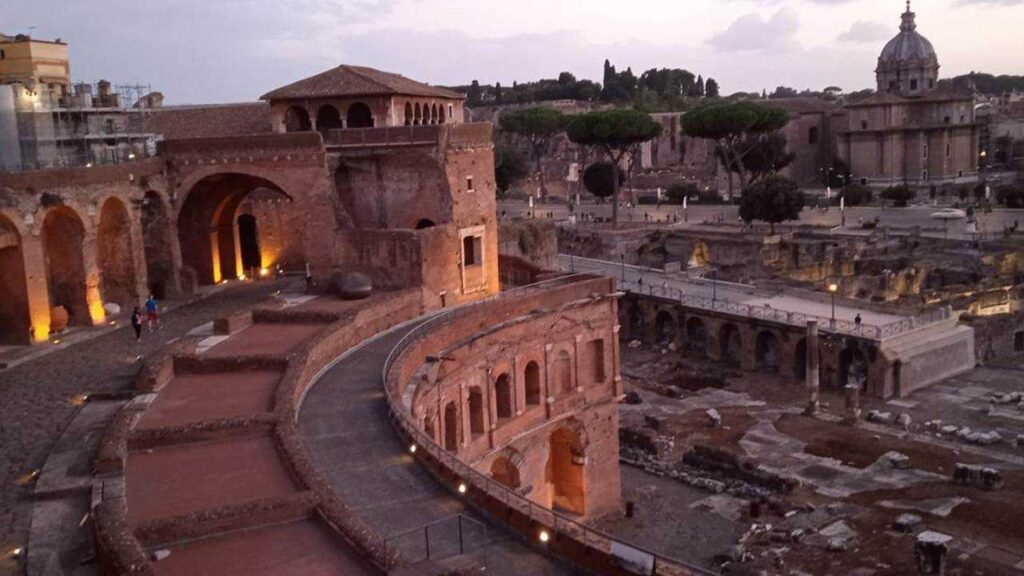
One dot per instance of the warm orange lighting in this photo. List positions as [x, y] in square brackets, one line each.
[241, 276]
[833, 288]
[543, 536]
[462, 488]
[41, 332]
[56, 341]
[264, 272]
[412, 449]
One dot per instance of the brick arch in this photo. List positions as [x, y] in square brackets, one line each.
[115, 255]
[64, 232]
[768, 350]
[15, 315]
[730, 343]
[666, 326]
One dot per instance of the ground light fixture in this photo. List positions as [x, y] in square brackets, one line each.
[412, 449]
[543, 536]
[264, 272]
[462, 487]
[17, 552]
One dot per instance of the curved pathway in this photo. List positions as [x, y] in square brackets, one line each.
[344, 424]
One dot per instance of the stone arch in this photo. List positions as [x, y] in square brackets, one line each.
[566, 459]
[665, 324]
[408, 114]
[503, 396]
[769, 351]
[156, 244]
[433, 113]
[296, 119]
[476, 411]
[636, 321]
[506, 472]
[451, 427]
[428, 426]
[563, 372]
[328, 118]
[15, 317]
[417, 115]
[697, 335]
[730, 343]
[208, 225]
[800, 359]
[531, 377]
[115, 257]
[441, 114]
[359, 116]
[63, 237]
[425, 223]
[853, 368]
[249, 242]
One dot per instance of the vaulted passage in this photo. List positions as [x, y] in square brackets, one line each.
[768, 352]
[732, 344]
[115, 256]
[565, 472]
[156, 239]
[504, 471]
[451, 427]
[15, 324]
[532, 377]
[63, 234]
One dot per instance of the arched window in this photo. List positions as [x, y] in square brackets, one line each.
[417, 116]
[476, 411]
[595, 352]
[503, 395]
[359, 116]
[408, 114]
[433, 114]
[296, 119]
[532, 378]
[328, 118]
[451, 427]
[425, 223]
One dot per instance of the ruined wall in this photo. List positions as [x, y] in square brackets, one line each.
[534, 241]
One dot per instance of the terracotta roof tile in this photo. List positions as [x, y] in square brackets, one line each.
[357, 81]
[173, 122]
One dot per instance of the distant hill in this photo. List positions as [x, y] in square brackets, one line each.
[989, 84]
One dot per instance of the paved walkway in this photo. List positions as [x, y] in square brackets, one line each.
[345, 426]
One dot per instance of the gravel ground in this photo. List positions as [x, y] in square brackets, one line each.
[35, 404]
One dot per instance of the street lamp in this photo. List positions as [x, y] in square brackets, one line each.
[714, 288]
[572, 257]
[833, 288]
[622, 257]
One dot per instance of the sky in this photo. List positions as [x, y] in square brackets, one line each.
[218, 51]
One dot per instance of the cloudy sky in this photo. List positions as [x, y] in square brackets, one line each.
[208, 51]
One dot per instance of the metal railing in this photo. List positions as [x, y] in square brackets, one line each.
[635, 558]
[766, 312]
[452, 536]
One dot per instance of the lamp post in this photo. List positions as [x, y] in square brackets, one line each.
[833, 288]
[572, 258]
[622, 257]
[714, 288]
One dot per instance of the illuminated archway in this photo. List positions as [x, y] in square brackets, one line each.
[565, 471]
[63, 235]
[15, 320]
[114, 256]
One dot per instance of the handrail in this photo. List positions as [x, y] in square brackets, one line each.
[556, 521]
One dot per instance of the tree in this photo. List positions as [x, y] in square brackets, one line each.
[536, 127]
[698, 88]
[900, 195]
[598, 179]
[711, 88]
[730, 125]
[783, 92]
[677, 192]
[509, 167]
[773, 200]
[763, 155]
[474, 96]
[497, 93]
[617, 133]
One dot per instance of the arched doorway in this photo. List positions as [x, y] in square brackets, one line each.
[359, 116]
[531, 375]
[408, 114]
[503, 396]
[433, 113]
[296, 119]
[563, 372]
[425, 223]
[732, 344]
[209, 226]
[565, 472]
[700, 256]
[451, 427]
[63, 234]
[768, 351]
[476, 411]
[249, 242]
[697, 336]
[428, 427]
[505, 472]
[15, 321]
[666, 327]
[417, 115]
[156, 240]
[853, 368]
[636, 322]
[114, 256]
[800, 359]
[328, 118]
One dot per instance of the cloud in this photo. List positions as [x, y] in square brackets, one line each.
[989, 2]
[753, 32]
[863, 31]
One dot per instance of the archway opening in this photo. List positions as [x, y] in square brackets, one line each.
[532, 377]
[732, 344]
[408, 114]
[156, 243]
[636, 322]
[428, 426]
[328, 118]
[503, 396]
[249, 242]
[768, 351]
[697, 336]
[451, 427]
[425, 223]
[665, 324]
[15, 320]
[476, 411]
[505, 472]
[800, 359]
[563, 372]
[296, 119]
[63, 234]
[359, 116]
[433, 113]
[417, 115]
[565, 472]
[853, 368]
[114, 256]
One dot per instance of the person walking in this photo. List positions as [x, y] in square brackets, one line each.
[152, 313]
[137, 323]
[857, 321]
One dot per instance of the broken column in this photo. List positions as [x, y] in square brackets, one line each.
[930, 551]
[811, 369]
[852, 392]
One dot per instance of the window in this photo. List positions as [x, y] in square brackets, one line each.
[2, 55]
[892, 85]
[924, 175]
[913, 84]
[931, 83]
[863, 124]
[471, 251]
[476, 411]
[595, 349]
[960, 174]
[532, 377]
[469, 184]
[812, 135]
[451, 111]
[949, 150]
[503, 396]
[924, 151]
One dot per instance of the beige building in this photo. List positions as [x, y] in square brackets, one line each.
[915, 130]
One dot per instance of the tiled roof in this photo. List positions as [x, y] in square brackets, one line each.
[173, 122]
[942, 93]
[802, 105]
[357, 81]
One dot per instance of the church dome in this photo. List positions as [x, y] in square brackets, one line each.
[908, 64]
[908, 45]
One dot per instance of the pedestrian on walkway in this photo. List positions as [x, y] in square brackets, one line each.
[137, 323]
[857, 321]
[152, 313]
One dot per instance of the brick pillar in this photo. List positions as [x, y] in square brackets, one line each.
[812, 377]
[138, 243]
[93, 298]
[852, 392]
[35, 285]
[549, 397]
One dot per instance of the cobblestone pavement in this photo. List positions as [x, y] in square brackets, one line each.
[36, 397]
